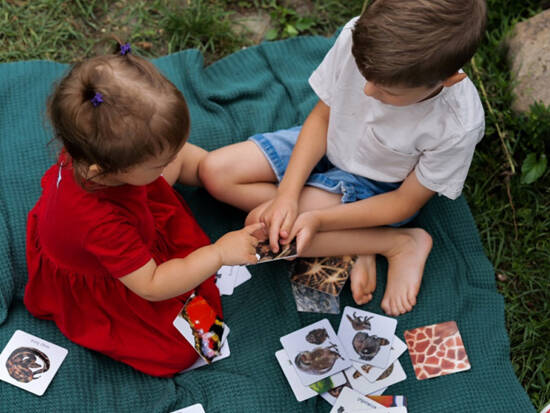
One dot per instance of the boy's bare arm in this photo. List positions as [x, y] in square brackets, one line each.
[310, 148]
[383, 209]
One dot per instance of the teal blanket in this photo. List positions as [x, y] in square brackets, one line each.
[258, 89]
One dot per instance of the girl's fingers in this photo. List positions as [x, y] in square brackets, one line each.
[252, 228]
[274, 232]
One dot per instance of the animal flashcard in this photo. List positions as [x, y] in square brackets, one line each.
[372, 373]
[324, 274]
[265, 254]
[393, 374]
[436, 350]
[312, 301]
[351, 401]
[30, 362]
[201, 327]
[367, 337]
[315, 354]
[300, 391]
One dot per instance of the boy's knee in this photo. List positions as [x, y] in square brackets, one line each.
[213, 174]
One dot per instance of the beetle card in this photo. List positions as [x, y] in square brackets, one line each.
[30, 362]
[367, 337]
[315, 352]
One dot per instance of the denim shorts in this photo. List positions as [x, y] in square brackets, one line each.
[277, 148]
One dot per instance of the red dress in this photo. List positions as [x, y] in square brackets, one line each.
[80, 242]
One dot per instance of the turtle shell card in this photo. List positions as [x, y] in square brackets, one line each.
[436, 350]
[367, 337]
[325, 274]
[30, 362]
[265, 254]
[315, 352]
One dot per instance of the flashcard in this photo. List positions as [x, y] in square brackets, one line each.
[390, 401]
[300, 391]
[393, 374]
[367, 337]
[196, 408]
[201, 327]
[313, 301]
[436, 350]
[370, 372]
[224, 353]
[243, 275]
[225, 279]
[315, 352]
[30, 362]
[350, 401]
[324, 274]
[265, 254]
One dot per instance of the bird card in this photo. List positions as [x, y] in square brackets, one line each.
[225, 279]
[370, 372]
[393, 374]
[315, 352]
[312, 301]
[300, 391]
[224, 353]
[350, 401]
[324, 274]
[265, 254]
[367, 337]
[436, 350]
[202, 328]
[30, 362]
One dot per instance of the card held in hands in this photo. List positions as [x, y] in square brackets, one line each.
[265, 254]
[30, 362]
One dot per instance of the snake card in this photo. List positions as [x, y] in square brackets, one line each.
[30, 362]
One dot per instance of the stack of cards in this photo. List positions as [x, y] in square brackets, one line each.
[365, 350]
[230, 277]
[317, 283]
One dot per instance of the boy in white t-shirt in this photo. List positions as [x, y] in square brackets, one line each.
[397, 121]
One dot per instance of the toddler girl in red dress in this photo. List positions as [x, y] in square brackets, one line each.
[113, 251]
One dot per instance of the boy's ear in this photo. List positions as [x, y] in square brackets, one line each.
[454, 79]
[93, 170]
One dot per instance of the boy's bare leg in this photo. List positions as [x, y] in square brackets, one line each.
[406, 250]
[239, 175]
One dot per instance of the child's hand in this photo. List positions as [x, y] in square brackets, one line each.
[239, 247]
[279, 217]
[304, 229]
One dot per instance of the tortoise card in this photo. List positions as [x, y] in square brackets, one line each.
[325, 274]
[367, 337]
[315, 352]
[436, 350]
[30, 362]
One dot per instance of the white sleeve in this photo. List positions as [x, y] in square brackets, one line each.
[445, 168]
[323, 80]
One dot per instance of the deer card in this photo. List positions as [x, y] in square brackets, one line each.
[367, 337]
[30, 362]
[315, 352]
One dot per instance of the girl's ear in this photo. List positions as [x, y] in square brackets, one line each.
[93, 170]
[454, 79]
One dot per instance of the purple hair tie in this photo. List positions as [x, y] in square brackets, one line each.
[97, 99]
[125, 48]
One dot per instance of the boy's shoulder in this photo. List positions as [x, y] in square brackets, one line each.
[464, 105]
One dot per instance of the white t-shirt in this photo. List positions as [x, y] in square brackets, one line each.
[436, 138]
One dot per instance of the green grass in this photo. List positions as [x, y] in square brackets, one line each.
[513, 217]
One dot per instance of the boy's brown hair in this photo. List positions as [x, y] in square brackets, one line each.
[414, 43]
[142, 114]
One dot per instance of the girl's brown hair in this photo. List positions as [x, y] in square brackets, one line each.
[417, 42]
[142, 114]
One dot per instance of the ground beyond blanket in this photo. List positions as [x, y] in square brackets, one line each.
[258, 89]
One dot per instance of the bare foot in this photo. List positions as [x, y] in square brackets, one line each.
[363, 278]
[406, 268]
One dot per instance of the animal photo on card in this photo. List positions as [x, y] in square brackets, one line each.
[325, 274]
[265, 254]
[436, 350]
[312, 301]
[366, 336]
[315, 352]
[372, 373]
